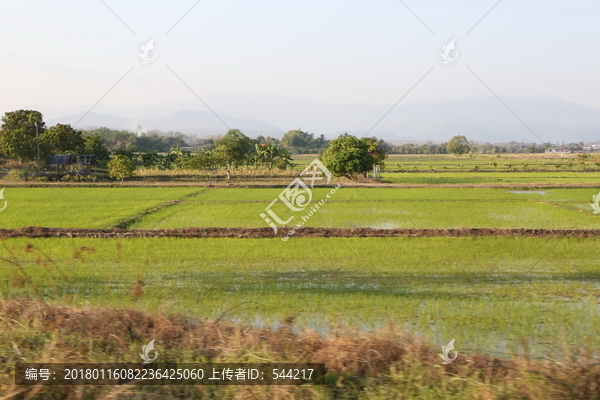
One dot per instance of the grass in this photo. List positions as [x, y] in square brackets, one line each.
[492, 293]
[82, 207]
[388, 208]
[498, 296]
[378, 365]
[486, 178]
[350, 207]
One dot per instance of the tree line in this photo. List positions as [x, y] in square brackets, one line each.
[24, 136]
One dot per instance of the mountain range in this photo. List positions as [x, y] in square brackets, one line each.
[487, 119]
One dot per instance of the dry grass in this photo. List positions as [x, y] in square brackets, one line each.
[370, 365]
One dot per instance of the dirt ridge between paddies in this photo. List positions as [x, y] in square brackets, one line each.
[257, 233]
[283, 183]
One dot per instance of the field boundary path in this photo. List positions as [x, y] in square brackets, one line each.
[257, 233]
[285, 183]
[127, 222]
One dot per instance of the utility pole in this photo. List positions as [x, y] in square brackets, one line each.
[37, 136]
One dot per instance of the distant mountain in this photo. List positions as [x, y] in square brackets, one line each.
[481, 119]
[185, 121]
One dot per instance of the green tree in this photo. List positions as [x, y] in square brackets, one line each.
[303, 142]
[204, 160]
[18, 134]
[63, 139]
[95, 145]
[377, 149]
[121, 167]
[296, 138]
[458, 145]
[348, 156]
[233, 149]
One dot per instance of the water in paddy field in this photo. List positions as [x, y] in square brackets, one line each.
[498, 344]
[384, 225]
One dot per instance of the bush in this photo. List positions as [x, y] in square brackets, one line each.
[16, 175]
[121, 167]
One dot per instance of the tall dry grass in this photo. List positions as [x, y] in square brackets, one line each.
[384, 364]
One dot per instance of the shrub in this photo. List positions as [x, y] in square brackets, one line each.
[121, 167]
[16, 175]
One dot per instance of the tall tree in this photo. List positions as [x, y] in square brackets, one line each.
[95, 145]
[18, 134]
[348, 156]
[458, 145]
[377, 149]
[233, 149]
[63, 139]
[301, 141]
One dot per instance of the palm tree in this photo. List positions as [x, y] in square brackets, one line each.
[270, 155]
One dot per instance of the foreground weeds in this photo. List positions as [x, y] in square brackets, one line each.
[384, 364]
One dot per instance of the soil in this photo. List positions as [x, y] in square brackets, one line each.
[256, 233]
[284, 182]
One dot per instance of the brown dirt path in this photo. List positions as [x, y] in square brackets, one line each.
[285, 182]
[255, 233]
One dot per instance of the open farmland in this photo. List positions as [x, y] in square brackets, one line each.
[491, 178]
[500, 294]
[83, 207]
[384, 208]
[389, 208]
[492, 293]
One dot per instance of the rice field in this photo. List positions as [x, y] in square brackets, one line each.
[526, 297]
[349, 208]
[490, 178]
[389, 208]
[492, 293]
[85, 207]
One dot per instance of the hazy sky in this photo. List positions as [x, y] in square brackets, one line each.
[65, 52]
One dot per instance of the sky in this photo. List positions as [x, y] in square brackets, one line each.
[66, 52]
